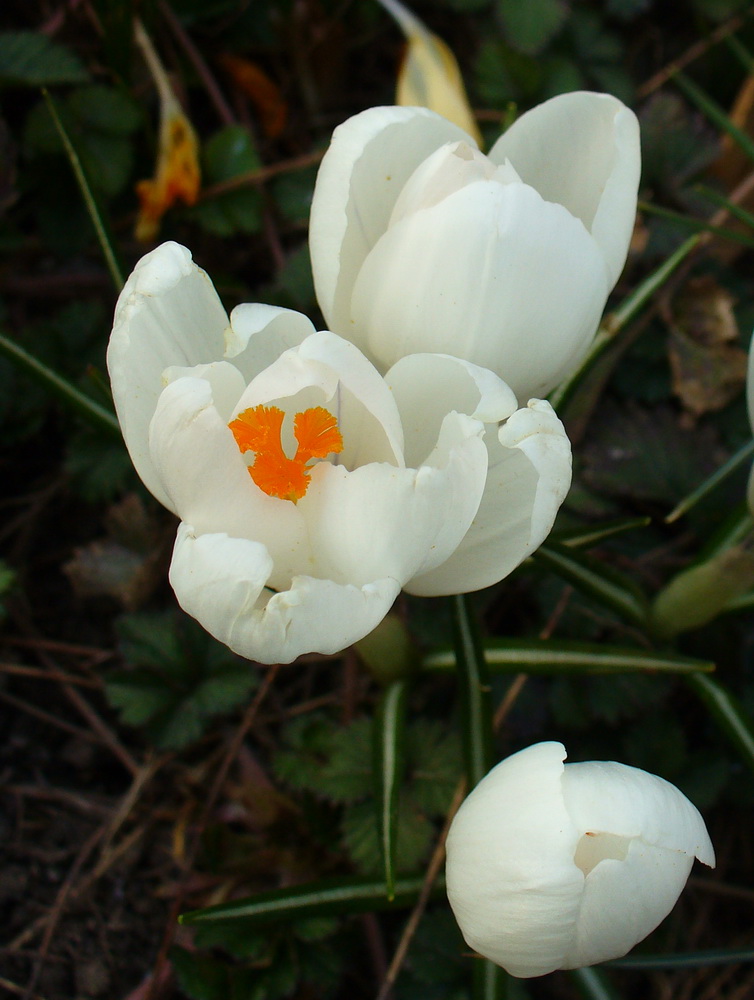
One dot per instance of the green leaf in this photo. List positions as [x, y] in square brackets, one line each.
[326, 898]
[434, 765]
[178, 678]
[200, 977]
[476, 698]
[593, 984]
[700, 593]
[96, 215]
[714, 112]
[34, 60]
[529, 26]
[563, 656]
[685, 960]
[728, 713]
[625, 313]
[742, 456]
[414, 835]
[587, 537]
[98, 466]
[604, 584]
[229, 153]
[388, 770]
[60, 387]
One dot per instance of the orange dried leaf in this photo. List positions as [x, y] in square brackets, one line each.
[263, 92]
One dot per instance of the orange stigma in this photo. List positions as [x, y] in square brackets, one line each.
[258, 429]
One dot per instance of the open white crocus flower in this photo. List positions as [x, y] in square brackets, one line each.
[419, 242]
[311, 489]
[553, 866]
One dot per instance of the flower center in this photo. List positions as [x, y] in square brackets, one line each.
[258, 429]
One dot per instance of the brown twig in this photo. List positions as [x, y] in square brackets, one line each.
[158, 971]
[433, 870]
[222, 107]
[263, 174]
[53, 917]
[691, 54]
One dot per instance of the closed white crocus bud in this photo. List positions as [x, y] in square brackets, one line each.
[419, 242]
[553, 866]
[310, 489]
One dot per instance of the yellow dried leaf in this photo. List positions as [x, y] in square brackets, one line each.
[429, 76]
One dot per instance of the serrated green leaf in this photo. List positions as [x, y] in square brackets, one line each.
[179, 678]
[347, 775]
[137, 695]
[414, 837]
[34, 60]
[530, 26]
[105, 109]
[388, 768]
[434, 762]
[200, 977]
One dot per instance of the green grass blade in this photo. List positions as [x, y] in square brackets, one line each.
[95, 214]
[327, 898]
[712, 110]
[593, 984]
[698, 225]
[599, 533]
[563, 656]
[476, 700]
[602, 583]
[685, 960]
[719, 199]
[625, 313]
[709, 485]
[60, 387]
[389, 761]
[728, 713]
[490, 981]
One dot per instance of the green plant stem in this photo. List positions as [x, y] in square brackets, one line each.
[95, 214]
[476, 699]
[60, 387]
[593, 984]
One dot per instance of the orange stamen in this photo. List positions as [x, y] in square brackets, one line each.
[258, 429]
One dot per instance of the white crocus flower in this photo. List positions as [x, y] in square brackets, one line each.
[553, 866]
[311, 489]
[419, 242]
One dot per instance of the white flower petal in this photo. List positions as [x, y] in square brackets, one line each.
[258, 334]
[370, 158]
[379, 520]
[428, 386]
[604, 796]
[167, 314]
[206, 482]
[364, 406]
[493, 274]
[648, 882]
[220, 580]
[511, 883]
[225, 381]
[528, 479]
[557, 867]
[582, 150]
